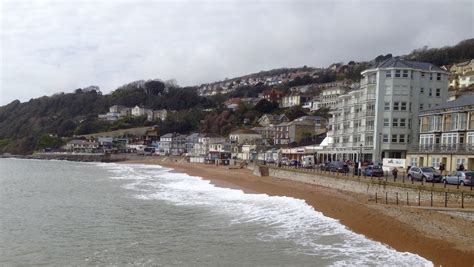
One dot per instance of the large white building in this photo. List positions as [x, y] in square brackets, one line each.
[380, 119]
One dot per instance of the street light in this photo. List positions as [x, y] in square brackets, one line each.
[360, 161]
[379, 156]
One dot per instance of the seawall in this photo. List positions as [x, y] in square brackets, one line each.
[82, 157]
[384, 190]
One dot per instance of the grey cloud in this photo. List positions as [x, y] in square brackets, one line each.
[52, 46]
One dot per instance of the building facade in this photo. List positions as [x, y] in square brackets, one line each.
[293, 100]
[380, 119]
[446, 136]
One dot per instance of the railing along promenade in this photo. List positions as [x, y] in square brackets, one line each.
[403, 190]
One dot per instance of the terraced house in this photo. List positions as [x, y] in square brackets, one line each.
[380, 119]
[446, 136]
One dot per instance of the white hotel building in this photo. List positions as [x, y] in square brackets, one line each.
[380, 119]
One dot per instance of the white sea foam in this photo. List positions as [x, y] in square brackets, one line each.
[284, 218]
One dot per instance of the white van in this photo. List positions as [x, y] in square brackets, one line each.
[307, 161]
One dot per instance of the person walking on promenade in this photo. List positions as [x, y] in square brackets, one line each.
[395, 172]
[441, 168]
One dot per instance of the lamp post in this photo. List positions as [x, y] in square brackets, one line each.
[379, 150]
[360, 161]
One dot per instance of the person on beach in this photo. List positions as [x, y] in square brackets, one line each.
[395, 172]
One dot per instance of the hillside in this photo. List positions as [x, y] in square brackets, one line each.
[448, 55]
[27, 126]
[68, 114]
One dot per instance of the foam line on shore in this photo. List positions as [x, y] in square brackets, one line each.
[283, 217]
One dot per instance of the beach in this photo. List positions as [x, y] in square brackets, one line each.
[444, 239]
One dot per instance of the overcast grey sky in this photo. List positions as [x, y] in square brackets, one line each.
[53, 46]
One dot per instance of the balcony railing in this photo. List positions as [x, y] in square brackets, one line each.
[366, 82]
[443, 148]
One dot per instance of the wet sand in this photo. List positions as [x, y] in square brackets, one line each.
[444, 239]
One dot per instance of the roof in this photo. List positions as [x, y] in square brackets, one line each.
[463, 100]
[305, 118]
[194, 135]
[302, 122]
[168, 135]
[212, 135]
[244, 131]
[396, 62]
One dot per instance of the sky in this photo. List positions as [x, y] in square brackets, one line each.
[48, 47]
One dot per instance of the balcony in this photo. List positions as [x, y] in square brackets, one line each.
[370, 113]
[365, 82]
[444, 148]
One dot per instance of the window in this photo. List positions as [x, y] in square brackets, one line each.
[438, 76]
[397, 73]
[471, 122]
[421, 106]
[401, 138]
[405, 74]
[355, 139]
[394, 138]
[385, 138]
[430, 92]
[395, 122]
[422, 90]
[369, 140]
[387, 106]
[426, 139]
[449, 138]
[370, 125]
[422, 74]
[402, 122]
[462, 121]
[388, 74]
[404, 106]
[470, 138]
[386, 122]
[438, 92]
[431, 76]
[388, 91]
[396, 105]
[409, 123]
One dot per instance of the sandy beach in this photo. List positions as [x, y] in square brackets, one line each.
[444, 239]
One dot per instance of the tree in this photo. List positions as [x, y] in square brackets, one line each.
[323, 112]
[295, 112]
[265, 106]
[154, 87]
[47, 141]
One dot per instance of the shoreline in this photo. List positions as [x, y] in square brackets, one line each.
[441, 238]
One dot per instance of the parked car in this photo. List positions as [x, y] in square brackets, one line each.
[459, 177]
[285, 161]
[375, 171]
[338, 166]
[295, 162]
[148, 151]
[270, 160]
[325, 166]
[308, 161]
[426, 174]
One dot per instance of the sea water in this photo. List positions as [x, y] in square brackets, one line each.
[68, 213]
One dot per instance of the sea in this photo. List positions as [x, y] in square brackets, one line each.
[64, 213]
